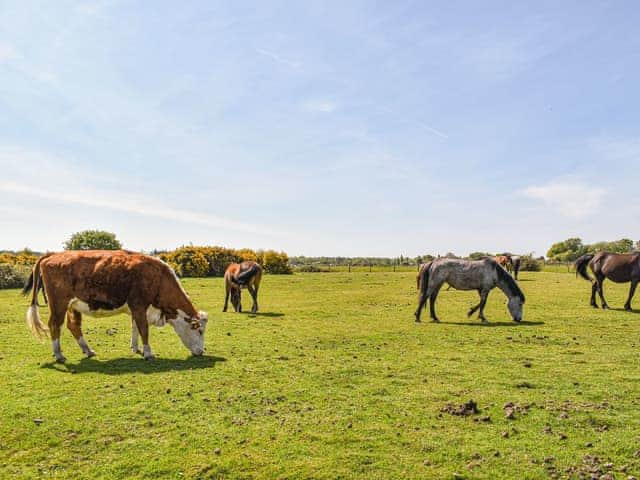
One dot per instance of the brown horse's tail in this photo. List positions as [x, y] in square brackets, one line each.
[581, 266]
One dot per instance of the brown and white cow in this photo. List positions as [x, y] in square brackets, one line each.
[104, 283]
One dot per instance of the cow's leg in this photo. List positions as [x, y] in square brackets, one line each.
[254, 295]
[139, 315]
[484, 294]
[632, 291]
[134, 337]
[74, 324]
[56, 320]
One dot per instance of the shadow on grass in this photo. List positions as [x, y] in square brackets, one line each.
[472, 323]
[119, 366]
[619, 309]
[261, 314]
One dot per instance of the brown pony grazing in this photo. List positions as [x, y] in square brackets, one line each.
[617, 267]
[238, 276]
[505, 262]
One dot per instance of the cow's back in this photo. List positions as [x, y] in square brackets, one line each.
[103, 279]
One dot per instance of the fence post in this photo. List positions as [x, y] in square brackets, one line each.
[349, 267]
[369, 267]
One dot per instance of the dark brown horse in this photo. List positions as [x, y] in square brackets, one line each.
[617, 267]
[238, 276]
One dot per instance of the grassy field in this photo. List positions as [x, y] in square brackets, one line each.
[333, 379]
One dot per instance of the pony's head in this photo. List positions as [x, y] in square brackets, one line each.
[515, 307]
[235, 298]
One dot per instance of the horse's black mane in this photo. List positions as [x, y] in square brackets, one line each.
[508, 280]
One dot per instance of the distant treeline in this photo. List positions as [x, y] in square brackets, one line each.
[572, 248]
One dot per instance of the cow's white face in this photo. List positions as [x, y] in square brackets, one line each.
[191, 330]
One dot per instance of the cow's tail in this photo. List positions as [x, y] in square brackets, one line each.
[39, 329]
[244, 277]
[581, 266]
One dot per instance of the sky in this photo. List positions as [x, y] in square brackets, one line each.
[355, 128]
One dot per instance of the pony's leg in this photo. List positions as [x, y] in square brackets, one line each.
[74, 324]
[432, 304]
[632, 291]
[483, 301]
[226, 297]
[254, 295]
[421, 301]
[600, 281]
[473, 310]
[594, 289]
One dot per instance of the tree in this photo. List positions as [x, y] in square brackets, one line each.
[566, 251]
[478, 255]
[93, 240]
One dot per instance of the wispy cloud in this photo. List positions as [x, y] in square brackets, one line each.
[569, 197]
[57, 180]
[419, 123]
[278, 59]
[320, 106]
[7, 52]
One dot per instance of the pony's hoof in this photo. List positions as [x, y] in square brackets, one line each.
[435, 320]
[484, 321]
[594, 305]
[61, 359]
[149, 357]
[628, 308]
[90, 353]
[605, 307]
[469, 313]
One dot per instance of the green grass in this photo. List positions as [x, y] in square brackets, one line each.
[332, 380]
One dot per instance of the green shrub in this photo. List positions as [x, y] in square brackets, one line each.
[310, 269]
[193, 261]
[275, 262]
[13, 276]
[529, 264]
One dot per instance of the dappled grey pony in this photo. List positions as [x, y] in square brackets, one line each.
[617, 267]
[481, 275]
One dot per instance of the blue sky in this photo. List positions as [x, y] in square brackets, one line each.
[320, 128]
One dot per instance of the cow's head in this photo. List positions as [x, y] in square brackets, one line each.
[191, 330]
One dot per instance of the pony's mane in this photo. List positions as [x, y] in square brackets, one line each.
[508, 281]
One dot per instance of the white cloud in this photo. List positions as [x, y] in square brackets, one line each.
[320, 106]
[278, 59]
[571, 198]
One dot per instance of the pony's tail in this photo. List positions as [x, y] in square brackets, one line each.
[39, 330]
[423, 277]
[581, 266]
[244, 277]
